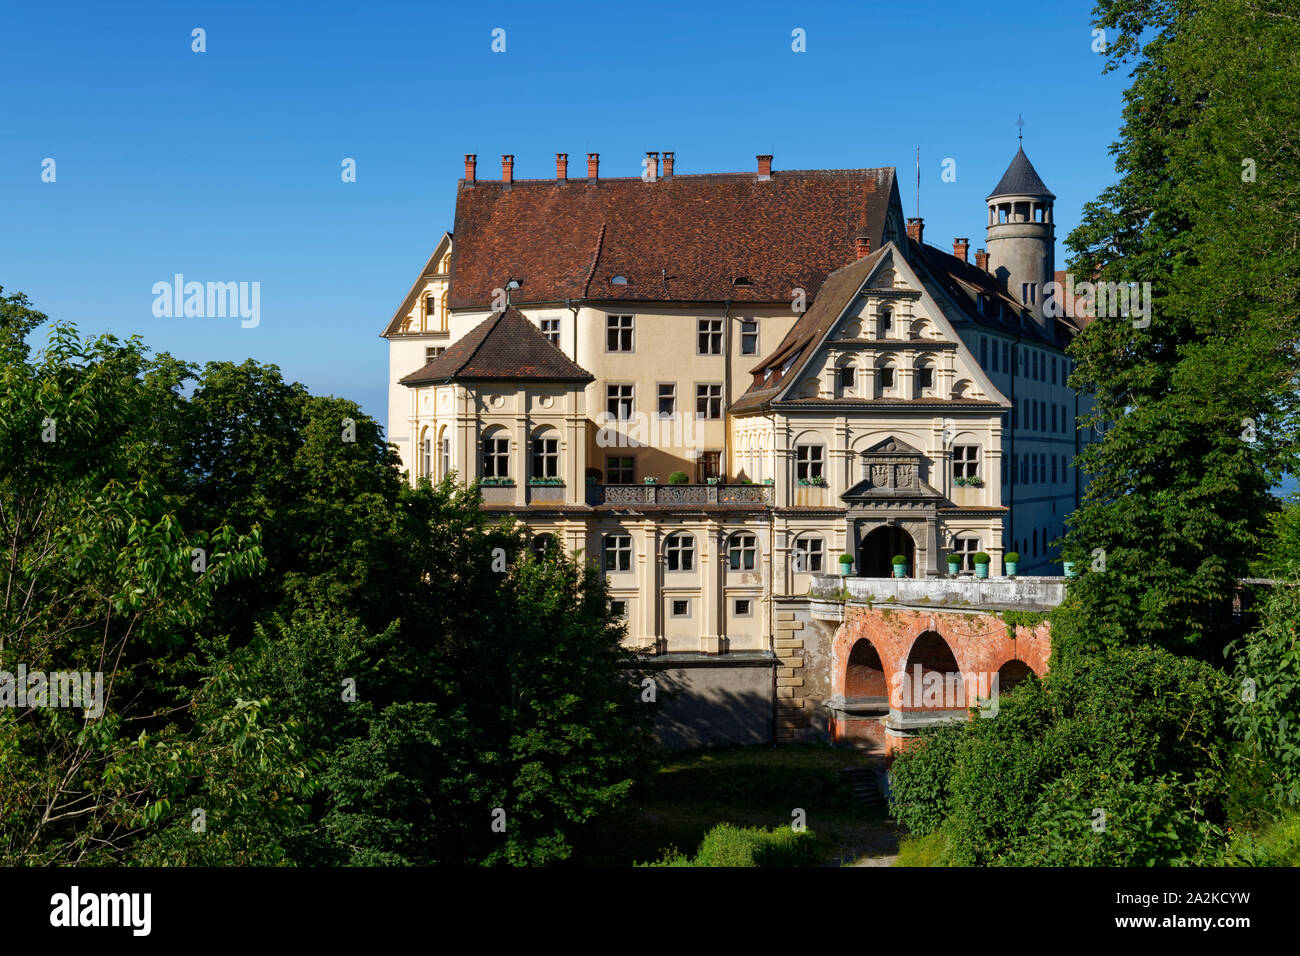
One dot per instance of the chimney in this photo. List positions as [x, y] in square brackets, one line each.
[651, 166]
[981, 260]
[507, 168]
[864, 246]
[668, 165]
[960, 247]
[561, 166]
[915, 226]
[593, 165]
[471, 160]
[764, 166]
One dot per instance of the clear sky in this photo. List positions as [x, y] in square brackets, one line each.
[226, 165]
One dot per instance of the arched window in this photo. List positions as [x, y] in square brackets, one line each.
[444, 447]
[546, 454]
[442, 311]
[425, 466]
[496, 453]
[809, 554]
[679, 552]
[742, 551]
[430, 311]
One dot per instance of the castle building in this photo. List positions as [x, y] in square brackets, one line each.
[713, 386]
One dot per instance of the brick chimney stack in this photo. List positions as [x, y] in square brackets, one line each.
[593, 165]
[864, 246]
[981, 260]
[471, 160]
[915, 227]
[507, 168]
[668, 165]
[561, 166]
[651, 166]
[764, 166]
[960, 247]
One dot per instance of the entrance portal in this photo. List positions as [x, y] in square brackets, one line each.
[876, 554]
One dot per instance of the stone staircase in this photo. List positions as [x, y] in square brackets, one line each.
[865, 788]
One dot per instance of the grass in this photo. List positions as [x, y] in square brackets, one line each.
[745, 786]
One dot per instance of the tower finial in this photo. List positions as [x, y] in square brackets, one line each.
[1020, 121]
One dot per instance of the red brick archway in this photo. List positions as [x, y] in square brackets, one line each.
[977, 645]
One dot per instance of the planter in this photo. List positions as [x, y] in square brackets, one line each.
[1011, 569]
[1069, 569]
[954, 567]
[845, 568]
[900, 570]
[981, 570]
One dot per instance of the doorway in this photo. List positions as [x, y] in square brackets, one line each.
[876, 553]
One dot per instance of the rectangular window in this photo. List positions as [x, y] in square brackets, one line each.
[966, 548]
[809, 553]
[618, 333]
[431, 352]
[618, 400]
[984, 351]
[667, 399]
[708, 401]
[680, 552]
[1053, 369]
[749, 336]
[1006, 356]
[742, 552]
[1054, 410]
[426, 467]
[886, 374]
[710, 336]
[848, 378]
[546, 457]
[1054, 469]
[1004, 468]
[618, 552]
[965, 461]
[710, 465]
[1029, 292]
[994, 357]
[743, 607]
[551, 329]
[618, 608]
[681, 608]
[446, 457]
[809, 461]
[1034, 406]
[496, 458]
[619, 470]
[925, 377]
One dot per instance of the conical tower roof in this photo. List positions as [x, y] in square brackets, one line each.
[1021, 179]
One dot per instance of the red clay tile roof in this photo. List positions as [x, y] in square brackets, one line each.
[503, 347]
[688, 238]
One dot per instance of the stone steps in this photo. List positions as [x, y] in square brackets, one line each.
[863, 782]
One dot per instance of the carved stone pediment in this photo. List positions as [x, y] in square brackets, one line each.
[892, 469]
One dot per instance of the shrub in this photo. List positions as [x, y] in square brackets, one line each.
[899, 559]
[728, 845]
[679, 478]
[933, 849]
[981, 557]
[846, 559]
[1012, 556]
[919, 780]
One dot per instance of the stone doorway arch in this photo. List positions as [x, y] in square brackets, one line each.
[877, 550]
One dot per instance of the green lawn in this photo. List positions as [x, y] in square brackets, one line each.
[748, 786]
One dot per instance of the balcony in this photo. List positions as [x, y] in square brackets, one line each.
[681, 495]
[1034, 593]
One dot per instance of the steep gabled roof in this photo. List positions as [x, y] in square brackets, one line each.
[503, 347]
[1021, 179]
[799, 343]
[707, 237]
[430, 269]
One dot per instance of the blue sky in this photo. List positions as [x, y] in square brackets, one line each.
[225, 165]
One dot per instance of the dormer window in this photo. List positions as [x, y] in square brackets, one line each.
[741, 280]
[884, 323]
[618, 280]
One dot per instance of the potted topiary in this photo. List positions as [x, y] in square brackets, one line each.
[981, 564]
[1068, 567]
[900, 566]
[650, 481]
[846, 564]
[678, 478]
[1011, 559]
[954, 564]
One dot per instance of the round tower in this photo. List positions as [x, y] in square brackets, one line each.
[1021, 234]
